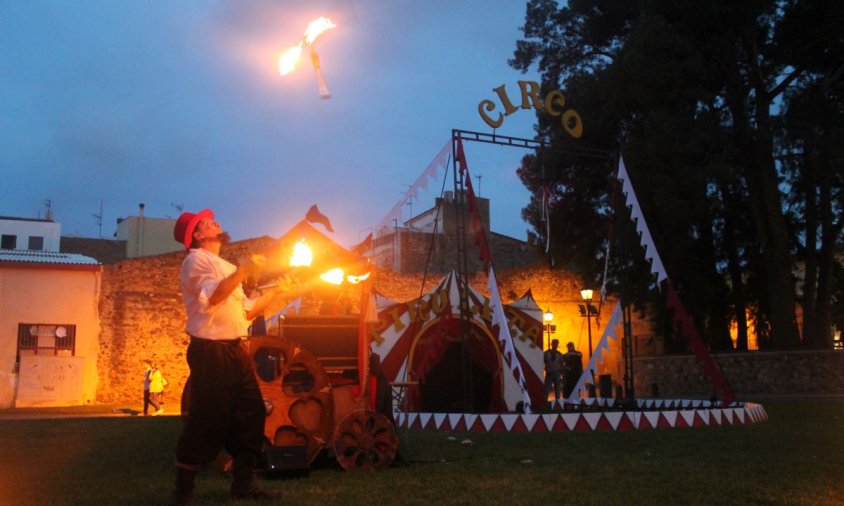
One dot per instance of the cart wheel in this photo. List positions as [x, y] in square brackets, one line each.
[365, 441]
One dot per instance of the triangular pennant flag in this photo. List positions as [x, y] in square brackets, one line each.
[314, 216]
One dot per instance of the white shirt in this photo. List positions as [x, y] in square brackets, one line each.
[202, 272]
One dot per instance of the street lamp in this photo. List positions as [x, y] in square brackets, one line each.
[548, 317]
[588, 310]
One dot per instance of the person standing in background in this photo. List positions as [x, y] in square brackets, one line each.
[573, 361]
[156, 383]
[553, 370]
[148, 365]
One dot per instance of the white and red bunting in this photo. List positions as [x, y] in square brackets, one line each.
[591, 369]
[651, 414]
[638, 218]
[432, 172]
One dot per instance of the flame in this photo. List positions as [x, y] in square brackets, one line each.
[334, 276]
[357, 279]
[302, 255]
[287, 62]
[316, 27]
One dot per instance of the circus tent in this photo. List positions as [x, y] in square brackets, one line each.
[419, 342]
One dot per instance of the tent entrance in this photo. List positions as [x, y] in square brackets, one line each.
[441, 391]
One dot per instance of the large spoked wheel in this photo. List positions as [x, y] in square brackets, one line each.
[365, 441]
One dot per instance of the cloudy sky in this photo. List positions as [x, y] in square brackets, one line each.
[180, 104]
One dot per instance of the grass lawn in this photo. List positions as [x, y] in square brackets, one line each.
[796, 457]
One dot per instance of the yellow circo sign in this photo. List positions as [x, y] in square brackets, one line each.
[553, 104]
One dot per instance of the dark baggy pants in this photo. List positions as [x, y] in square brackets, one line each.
[553, 380]
[226, 406]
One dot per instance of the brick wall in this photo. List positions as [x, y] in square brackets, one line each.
[749, 373]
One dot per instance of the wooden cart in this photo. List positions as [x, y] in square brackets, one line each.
[310, 378]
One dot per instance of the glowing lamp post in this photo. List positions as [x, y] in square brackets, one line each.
[587, 310]
[548, 317]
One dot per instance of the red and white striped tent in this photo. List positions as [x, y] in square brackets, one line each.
[419, 341]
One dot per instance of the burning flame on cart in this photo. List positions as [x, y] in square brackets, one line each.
[303, 256]
[334, 276]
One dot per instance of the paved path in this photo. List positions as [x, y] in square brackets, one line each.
[59, 413]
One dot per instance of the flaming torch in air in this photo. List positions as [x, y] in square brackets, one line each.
[290, 58]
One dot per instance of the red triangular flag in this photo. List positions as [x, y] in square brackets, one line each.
[314, 216]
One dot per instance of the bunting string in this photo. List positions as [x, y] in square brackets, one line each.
[475, 223]
[431, 172]
[710, 368]
[681, 317]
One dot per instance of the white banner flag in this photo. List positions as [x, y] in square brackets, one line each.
[505, 340]
[603, 344]
[641, 227]
[432, 171]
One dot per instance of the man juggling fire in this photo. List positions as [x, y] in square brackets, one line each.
[226, 405]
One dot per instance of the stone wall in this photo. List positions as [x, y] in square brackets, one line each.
[749, 373]
[143, 317]
[142, 314]
[420, 251]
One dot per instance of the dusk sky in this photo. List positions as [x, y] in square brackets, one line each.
[181, 104]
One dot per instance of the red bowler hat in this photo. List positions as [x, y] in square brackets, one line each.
[185, 225]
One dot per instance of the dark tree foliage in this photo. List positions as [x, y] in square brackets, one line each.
[729, 118]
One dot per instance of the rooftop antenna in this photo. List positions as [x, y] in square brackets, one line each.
[99, 220]
[49, 204]
[409, 199]
[178, 207]
[479, 176]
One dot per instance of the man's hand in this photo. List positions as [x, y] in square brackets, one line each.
[284, 285]
[289, 286]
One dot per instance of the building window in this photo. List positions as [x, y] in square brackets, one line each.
[8, 241]
[36, 243]
[46, 339]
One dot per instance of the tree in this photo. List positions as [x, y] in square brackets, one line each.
[685, 90]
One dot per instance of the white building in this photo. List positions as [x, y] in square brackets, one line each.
[146, 236]
[29, 234]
